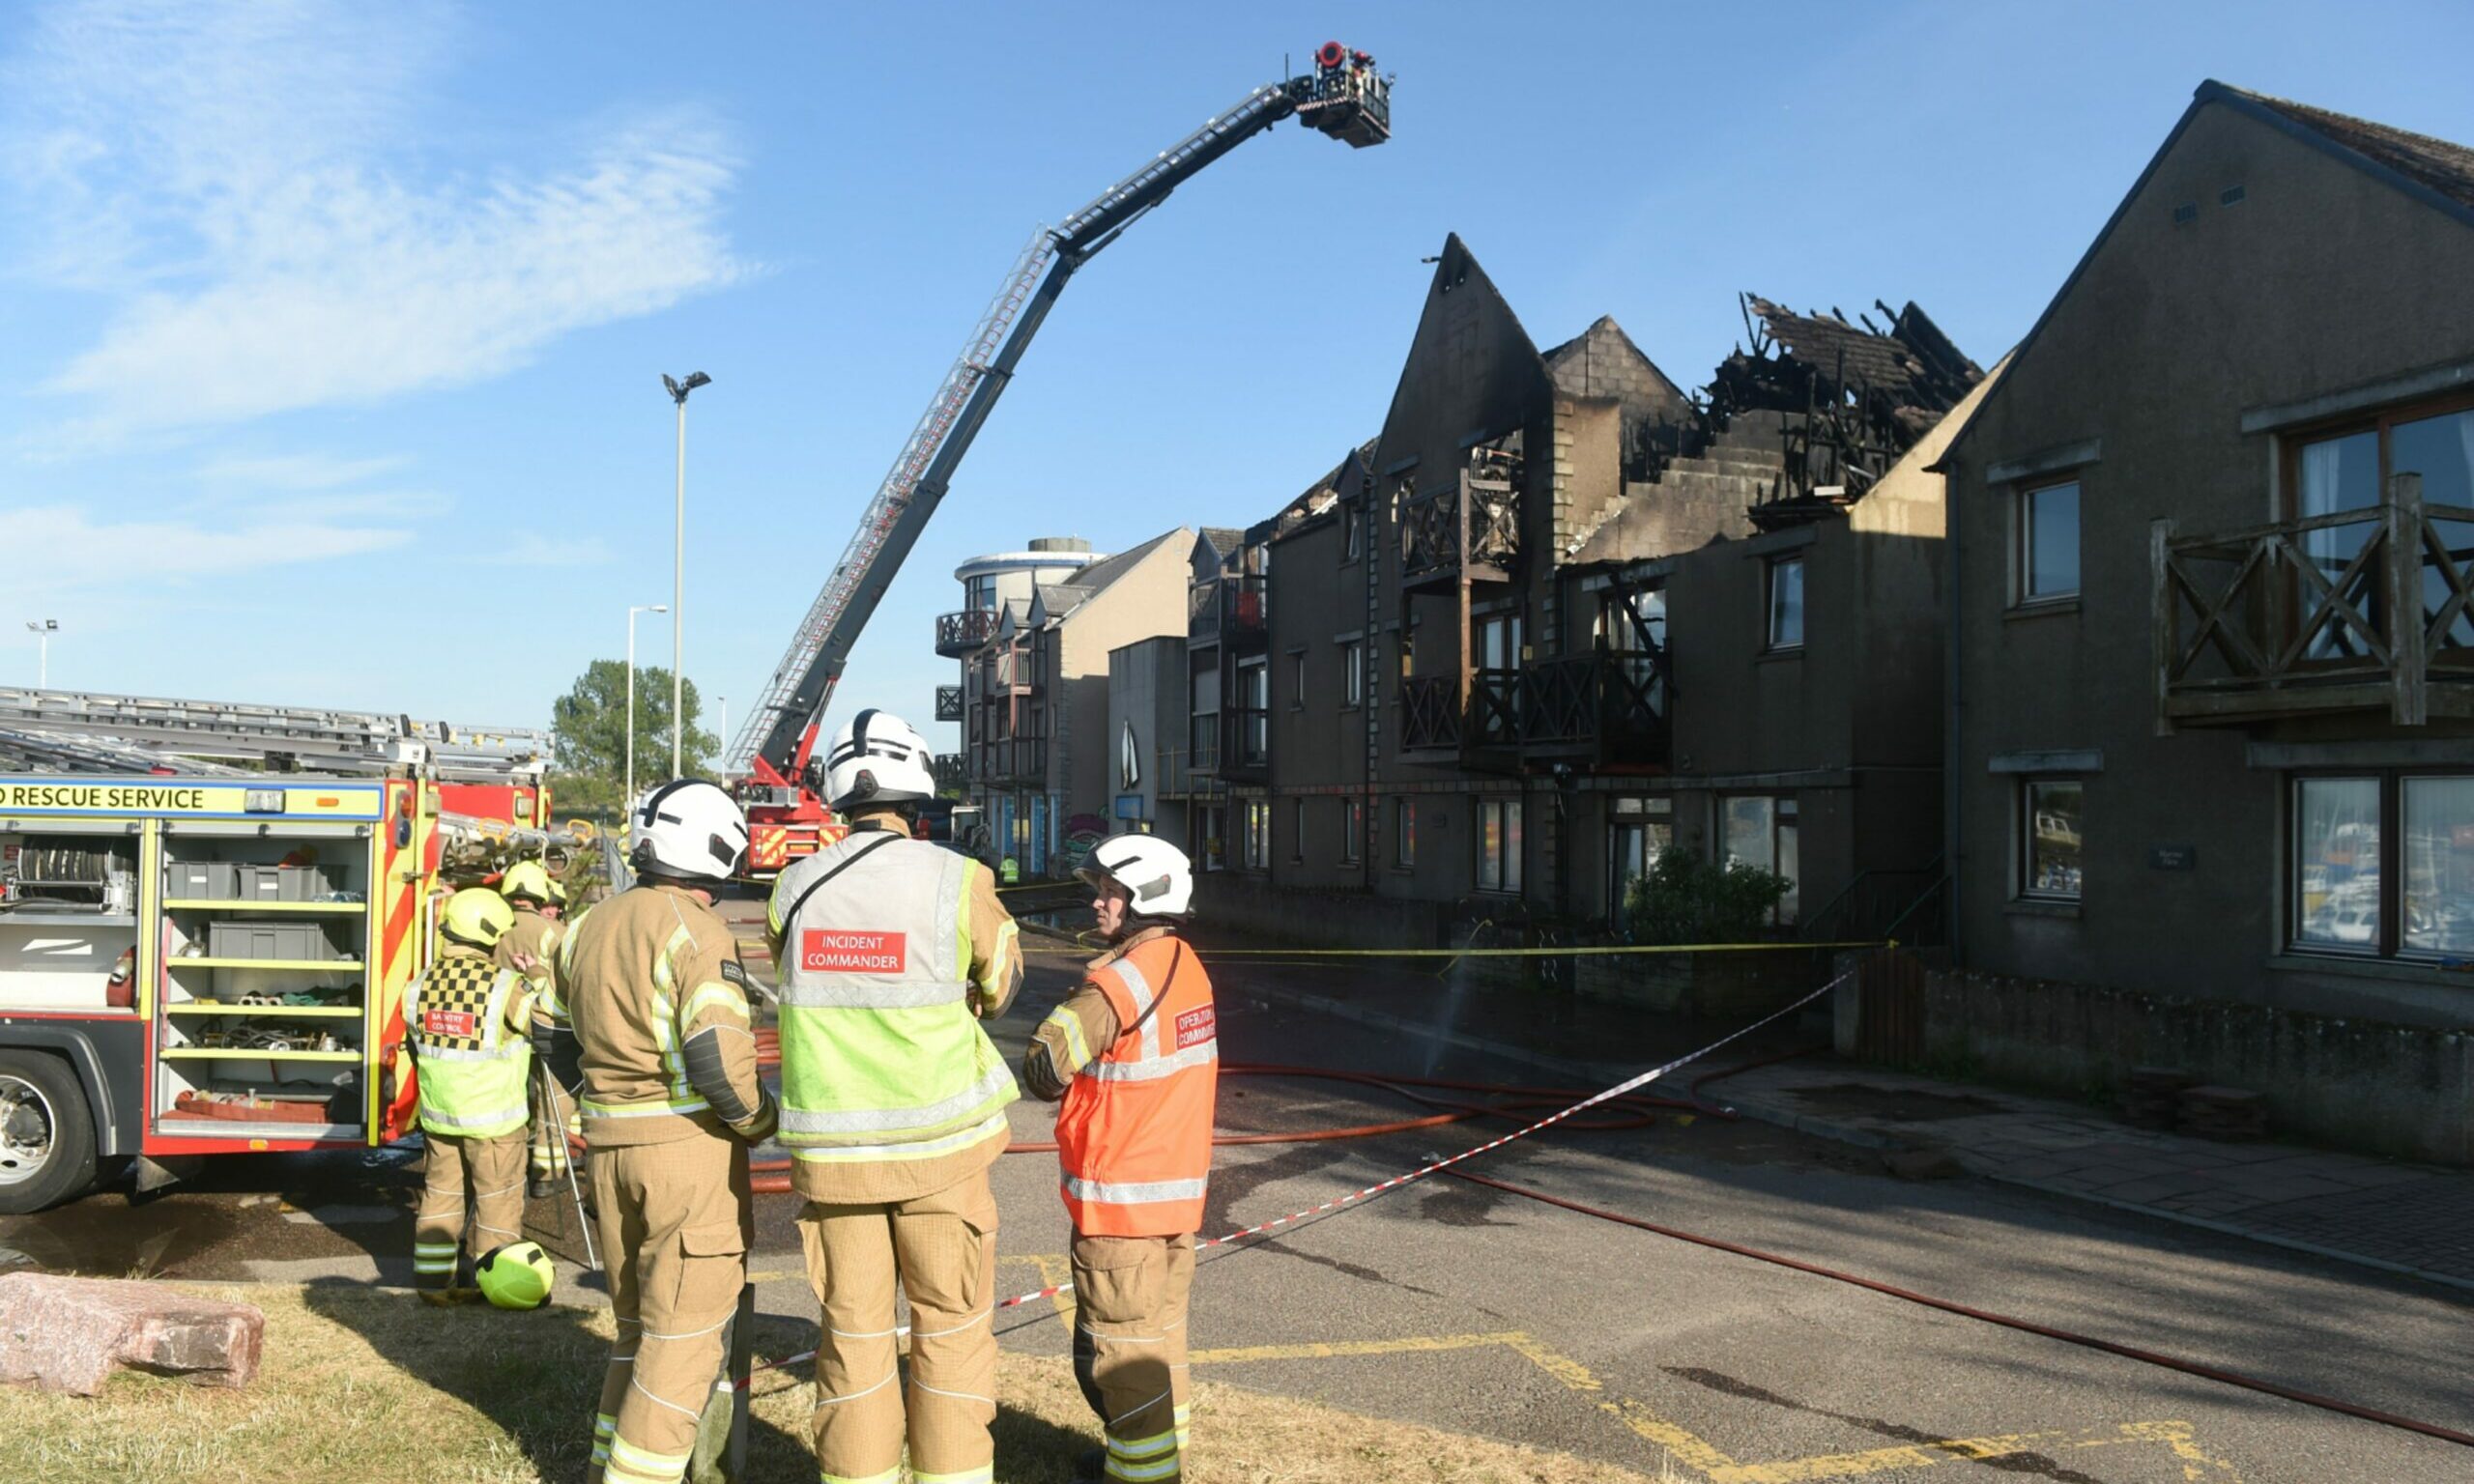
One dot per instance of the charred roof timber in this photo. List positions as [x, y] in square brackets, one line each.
[1848, 398]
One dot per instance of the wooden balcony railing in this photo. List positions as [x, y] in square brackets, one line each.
[949, 772]
[1471, 528]
[1609, 706]
[958, 634]
[2303, 615]
[949, 703]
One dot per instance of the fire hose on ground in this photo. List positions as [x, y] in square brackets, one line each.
[1629, 1110]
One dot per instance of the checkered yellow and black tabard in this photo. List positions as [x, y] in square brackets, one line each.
[453, 1010]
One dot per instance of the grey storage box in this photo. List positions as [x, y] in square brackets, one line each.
[290, 941]
[283, 883]
[199, 881]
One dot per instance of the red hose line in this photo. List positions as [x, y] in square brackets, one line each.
[2006, 1321]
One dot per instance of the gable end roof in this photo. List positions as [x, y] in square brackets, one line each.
[2339, 135]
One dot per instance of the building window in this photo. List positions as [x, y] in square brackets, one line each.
[1256, 842]
[2050, 813]
[1297, 829]
[2048, 561]
[1499, 844]
[1637, 833]
[1353, 524]
[1404, 834]
[1353, 674]
[979, 594]
[1760, 831]
[2383, 865]
[1297, 681]
[1786, 603]
[1353, 831]
[2345, 474]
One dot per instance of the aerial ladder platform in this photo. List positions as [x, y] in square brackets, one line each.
[1344, 97]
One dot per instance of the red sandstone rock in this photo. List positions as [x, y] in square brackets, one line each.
[65, 1334]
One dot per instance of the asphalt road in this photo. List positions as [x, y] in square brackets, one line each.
[1463, 1307]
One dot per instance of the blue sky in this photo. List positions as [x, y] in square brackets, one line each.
[338, 328]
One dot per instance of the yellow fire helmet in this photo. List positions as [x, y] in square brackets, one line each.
[477, 916]
[516, 1276]
[531, 879]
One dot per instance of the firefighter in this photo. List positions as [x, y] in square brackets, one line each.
[1135, 1054]
[468, 1023]
[658, 1003]
[531, 948]
[891, 951]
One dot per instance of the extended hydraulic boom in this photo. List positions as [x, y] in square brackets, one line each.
[1344, 97]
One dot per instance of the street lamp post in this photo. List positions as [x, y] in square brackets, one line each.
[678, 391]
[629, 801]
[42, 629]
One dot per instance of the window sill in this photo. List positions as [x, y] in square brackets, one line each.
[2040, 907]
[2041, 608]
[1781, 652]
[1352, 706]
[2402, 970]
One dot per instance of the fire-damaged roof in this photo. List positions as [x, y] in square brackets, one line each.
[1912, 370]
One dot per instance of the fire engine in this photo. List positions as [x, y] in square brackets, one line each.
[773, 758]
[200, 953]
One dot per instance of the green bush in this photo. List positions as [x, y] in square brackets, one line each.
[1684, 898]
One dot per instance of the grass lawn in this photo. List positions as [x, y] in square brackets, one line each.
[368, 1387]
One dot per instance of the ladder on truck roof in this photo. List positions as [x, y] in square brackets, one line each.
[1344, 97]
[76, 730]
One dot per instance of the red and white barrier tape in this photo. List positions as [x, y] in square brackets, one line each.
[1398, 1180]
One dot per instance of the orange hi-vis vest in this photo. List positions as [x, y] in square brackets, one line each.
[1133, 1137]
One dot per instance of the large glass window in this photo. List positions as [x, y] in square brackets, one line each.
[1786, 603]
[1257, 840]
[1499, 844]
[1637, 833]
[2049, 543]
[2383, 864]
[2442, 449]
[2050, 813]
[979, 592]
[2439, 842]
[1760, 831]
[1353, 673]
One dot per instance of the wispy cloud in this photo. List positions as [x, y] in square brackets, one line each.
[294, 470]
[70, 552]
[236, 180]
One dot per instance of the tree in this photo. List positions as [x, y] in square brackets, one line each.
[588, 731]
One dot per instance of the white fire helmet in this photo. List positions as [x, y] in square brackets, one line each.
[877, 758]
[690, 830]
[1154, 872]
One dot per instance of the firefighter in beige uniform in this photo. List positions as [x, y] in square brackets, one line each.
[530, 947]
[1135, 1054]
[891, 951]
[467, 1021]
[671, 1103]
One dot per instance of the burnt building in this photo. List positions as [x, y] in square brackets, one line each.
[2211, 655]
[1562, 614]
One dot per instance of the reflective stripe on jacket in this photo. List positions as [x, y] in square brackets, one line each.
[1133, 1136]
[472, 1065]
[881, 1056]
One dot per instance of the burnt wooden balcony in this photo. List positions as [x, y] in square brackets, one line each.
[948, 771]
[949, 703]
[1471, 530]
[958, 634]
[1606, 709]
[2303, 616]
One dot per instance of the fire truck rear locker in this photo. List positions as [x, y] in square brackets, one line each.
[208, 964]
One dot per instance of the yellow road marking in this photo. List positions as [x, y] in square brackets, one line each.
[1406, 1345]
[1718, 1467]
